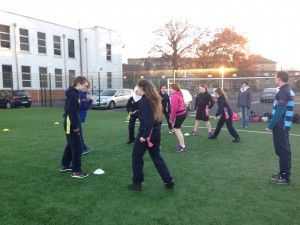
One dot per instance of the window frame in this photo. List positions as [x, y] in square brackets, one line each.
[71, 46]
[108, 52]
[24, 74]
[7, 76]
[3, 33]
[58, 78]
[22, 42]
[56, 49]
[39, 40]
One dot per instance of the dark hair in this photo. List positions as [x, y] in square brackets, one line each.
[245, 82]
[204, 86]
[153, 97]
[161, 87]
[221, 92]
[283, 76]
[80, 79]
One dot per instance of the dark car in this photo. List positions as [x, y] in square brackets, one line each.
[268, 95]
[11, 99]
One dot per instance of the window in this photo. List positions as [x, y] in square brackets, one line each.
[71, 48]
[26, 77]
[56, 45]
[58, 78]
[41, 42]
[71, 77]
[108, 52]
[4, 36]
[109, 84]
[7, 76]
[24, 39]
[43, 77]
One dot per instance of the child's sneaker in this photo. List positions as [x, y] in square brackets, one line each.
[171, 132]
[210, 134]
[193, 133]
[180, 148]
[79, 174]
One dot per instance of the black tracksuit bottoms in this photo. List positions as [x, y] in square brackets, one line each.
[72, 152]
[282, 150]
[138, 152]
[229, 125]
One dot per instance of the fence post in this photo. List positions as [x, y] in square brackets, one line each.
[50, 91]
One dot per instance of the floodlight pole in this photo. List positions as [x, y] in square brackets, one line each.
[222, 73]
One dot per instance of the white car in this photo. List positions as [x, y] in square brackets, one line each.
[111, 98]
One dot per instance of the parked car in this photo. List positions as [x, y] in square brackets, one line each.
[187, 97]
[10, 99]
[211, 91]
[268, 95]
[111, 98]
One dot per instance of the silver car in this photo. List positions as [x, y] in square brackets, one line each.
[112, 98]
[268, 95]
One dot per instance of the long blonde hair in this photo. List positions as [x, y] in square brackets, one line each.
[153, 97]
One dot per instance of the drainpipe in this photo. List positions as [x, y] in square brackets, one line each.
[65, 60]
[87, 58]
[80, 52]
[16, 57]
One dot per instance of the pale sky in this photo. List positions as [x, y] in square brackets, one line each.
[272, 26]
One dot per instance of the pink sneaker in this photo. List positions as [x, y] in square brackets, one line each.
[180, 148]
[210, 134]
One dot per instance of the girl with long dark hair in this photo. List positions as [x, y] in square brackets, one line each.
[149, 136]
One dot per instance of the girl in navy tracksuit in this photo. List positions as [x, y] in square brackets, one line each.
[148, 137]
[224, 114]
[165, 100]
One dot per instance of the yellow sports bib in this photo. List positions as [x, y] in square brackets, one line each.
[68, 127]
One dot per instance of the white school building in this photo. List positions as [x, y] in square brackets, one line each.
[36, 54]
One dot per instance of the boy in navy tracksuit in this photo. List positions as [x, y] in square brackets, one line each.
[72, 152]
[132, 109]
[280, 125]
[85, 104]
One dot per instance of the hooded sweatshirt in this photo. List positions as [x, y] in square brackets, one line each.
[72, 106]
[177, 106]
[85, 104]
[244, 98]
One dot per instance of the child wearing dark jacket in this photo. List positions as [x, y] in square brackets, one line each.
[165, 101]
[85, 104]
[224, 114]
[132, 109]
[72, 152]
[148, 137]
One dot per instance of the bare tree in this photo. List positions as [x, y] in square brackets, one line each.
[175, 41]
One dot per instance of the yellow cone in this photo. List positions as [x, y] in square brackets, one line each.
[56, 123]
[5, 130]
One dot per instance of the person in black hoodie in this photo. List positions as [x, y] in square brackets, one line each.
[165, 100]
[203, 103]
[73, 149]
[132, 109]
[224, 114]
[149, 136]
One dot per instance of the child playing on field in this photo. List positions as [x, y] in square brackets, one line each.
[132, 109]
[203, 103]
[224, 114]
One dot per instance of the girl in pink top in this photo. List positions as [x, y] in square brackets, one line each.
[178, 114]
